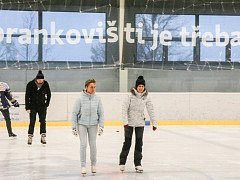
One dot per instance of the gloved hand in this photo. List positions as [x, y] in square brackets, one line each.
[16, 104]
[100, 131]
[126, 126]
[75, 132]
[154, 128]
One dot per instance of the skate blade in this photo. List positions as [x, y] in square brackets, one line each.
[12, 138]
[84, 174]
[139, 171]
[93, 173]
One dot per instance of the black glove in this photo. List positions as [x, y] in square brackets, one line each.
[16, 104]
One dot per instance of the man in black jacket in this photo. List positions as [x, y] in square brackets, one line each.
[37, 99]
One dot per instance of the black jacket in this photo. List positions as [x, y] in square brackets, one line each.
[35, 98]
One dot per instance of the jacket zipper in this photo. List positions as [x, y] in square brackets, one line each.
[90, 109]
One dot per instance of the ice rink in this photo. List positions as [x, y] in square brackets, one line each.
[170, 153]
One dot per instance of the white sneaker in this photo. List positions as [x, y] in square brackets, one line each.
[122, 167]
[83, 171]
[139, 169]
[93, 168]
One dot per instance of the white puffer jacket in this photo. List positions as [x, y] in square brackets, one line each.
[133, 109]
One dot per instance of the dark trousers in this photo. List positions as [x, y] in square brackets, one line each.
[42, 112]
[127, 144]
[6, 115]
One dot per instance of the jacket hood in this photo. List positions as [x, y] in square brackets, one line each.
[134, 92]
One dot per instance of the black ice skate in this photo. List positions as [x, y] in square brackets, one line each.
[12, 135]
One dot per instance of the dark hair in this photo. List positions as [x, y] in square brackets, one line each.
[89, 81]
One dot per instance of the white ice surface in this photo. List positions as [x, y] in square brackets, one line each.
[170, 153]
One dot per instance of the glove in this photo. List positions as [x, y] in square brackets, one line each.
[16, 104]
[126, 126]
[154, 128]
[100, 131]
[75, 132]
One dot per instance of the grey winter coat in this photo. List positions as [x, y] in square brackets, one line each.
[88, 110]
[133, 109]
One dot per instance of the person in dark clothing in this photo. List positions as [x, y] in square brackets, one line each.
[37, 99]
[5, 96]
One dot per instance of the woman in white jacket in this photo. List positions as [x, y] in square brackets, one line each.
[134, 119]
[87, 115]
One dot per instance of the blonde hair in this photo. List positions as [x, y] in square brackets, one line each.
[89, 81]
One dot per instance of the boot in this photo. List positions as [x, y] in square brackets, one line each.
[43, 138]
[83, 171]
[30, 136]
[93, 168]
[12, 135]
[139, 169]
[122, 167]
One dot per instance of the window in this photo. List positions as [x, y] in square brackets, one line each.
[160, 23]
[221, 28]
[178, 52]
[12, 35]
[76, 41]
[212, 54]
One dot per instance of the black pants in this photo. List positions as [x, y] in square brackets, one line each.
[127, 144]
[6, 116]
[42, 112]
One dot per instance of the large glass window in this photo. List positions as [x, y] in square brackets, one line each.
[13, 35]
[174, 24]
[94, 52]
[235, 54]
[79, 37]
[177, 52]
[214, 54]
[222, 28]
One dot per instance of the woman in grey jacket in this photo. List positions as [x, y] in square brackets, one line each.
[86, 116]
[134, 119]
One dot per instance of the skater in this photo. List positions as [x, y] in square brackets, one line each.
[134, 120]
[37, 99]
[5, 95]
[87, 115]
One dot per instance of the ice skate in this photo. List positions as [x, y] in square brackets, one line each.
[12, 136]
[43, 139]
[93, 168]
[139, 169]
[30, 139]
[83, 171]
[122, 168]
